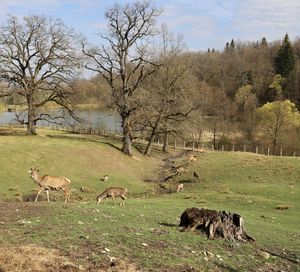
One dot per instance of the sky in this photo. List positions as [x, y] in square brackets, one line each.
[202, 23]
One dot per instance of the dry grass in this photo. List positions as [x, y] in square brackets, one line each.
[34, 258]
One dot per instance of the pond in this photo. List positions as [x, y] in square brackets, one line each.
[94, 119]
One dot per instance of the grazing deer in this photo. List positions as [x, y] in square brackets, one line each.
[111, 192]
[179, 187]
[50, 183]
[105, 179]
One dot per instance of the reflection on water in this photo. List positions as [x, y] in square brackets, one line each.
[94, 119]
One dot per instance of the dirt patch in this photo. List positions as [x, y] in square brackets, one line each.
[11, 212]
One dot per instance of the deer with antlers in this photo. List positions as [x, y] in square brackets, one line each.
[112, 192]
[48, 183]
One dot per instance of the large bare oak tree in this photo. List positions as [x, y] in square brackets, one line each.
[38, 60]
[123, 58]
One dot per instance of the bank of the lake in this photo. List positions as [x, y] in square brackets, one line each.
[91, 118]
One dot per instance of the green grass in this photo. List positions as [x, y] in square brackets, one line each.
[83, 161]
[248, 184]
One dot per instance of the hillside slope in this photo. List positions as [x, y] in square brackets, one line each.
[83, 160]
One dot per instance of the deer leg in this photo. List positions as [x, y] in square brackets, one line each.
[37, 196]
[66, 195]
[47, 192]
[113, 197]
[69, 195]
[124, 199]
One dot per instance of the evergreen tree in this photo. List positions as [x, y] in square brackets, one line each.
[264, 42]
[285, 59]
[232, 45]
[227, 47]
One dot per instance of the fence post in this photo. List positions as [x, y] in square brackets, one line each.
[294, 153]
[256, 149]
[232, 147]
[281, 152]
[244, 148]
[193, 146]
[268, 151]
[222, 148]
[175, 145]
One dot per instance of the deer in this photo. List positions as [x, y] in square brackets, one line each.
[48, 183]
[112, 192]
[105, 179]
[179, 187]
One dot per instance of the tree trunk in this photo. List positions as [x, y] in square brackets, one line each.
[215, 132]
[215, 223]
[31, 116]
[127, 138]
[275, 139]
[149, 144]
[274, 145]
[152, 136]
[166, 142]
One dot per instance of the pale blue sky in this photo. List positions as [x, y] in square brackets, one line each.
[204, 24]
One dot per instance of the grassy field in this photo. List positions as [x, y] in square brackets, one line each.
[143, 235]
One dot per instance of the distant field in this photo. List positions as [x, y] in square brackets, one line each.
[143, 235]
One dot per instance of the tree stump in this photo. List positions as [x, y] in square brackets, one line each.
[215, 224]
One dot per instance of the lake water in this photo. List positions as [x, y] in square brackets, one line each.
[96, 119]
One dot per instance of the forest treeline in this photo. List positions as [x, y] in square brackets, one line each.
[247, 94]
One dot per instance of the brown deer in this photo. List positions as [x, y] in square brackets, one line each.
[112, 192]
[50, 183]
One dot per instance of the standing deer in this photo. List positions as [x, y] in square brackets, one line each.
[111, 192]
[50, 183]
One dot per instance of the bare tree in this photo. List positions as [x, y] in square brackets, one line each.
[37, 62]
[123, 58]
[169, 102]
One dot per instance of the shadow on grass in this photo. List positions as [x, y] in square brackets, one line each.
[186, 181]
[167, 224]
[12, 132]
[291, 257]
[85, 139]
[111, 145]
